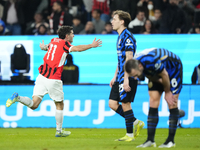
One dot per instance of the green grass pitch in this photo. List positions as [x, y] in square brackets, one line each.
[90, 139]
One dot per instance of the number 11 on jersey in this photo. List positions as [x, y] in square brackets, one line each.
[50, 52]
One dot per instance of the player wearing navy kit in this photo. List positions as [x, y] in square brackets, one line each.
[124, 88]
[164, 71]
[49, 78]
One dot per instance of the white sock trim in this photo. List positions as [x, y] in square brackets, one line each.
[129, 134]
[135, 122]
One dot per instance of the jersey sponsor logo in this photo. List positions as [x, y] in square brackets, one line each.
[128, 43]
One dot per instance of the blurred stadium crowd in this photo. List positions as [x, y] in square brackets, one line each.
[44, 17]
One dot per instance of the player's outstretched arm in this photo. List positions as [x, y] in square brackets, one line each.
[43, 46]
[80, 48]
[96, 43]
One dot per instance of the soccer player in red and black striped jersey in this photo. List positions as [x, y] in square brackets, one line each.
[49, 79]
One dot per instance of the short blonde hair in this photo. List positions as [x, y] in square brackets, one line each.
[123, 16]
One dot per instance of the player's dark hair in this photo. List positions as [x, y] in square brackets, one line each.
[62, 31]
[123, 16]
[131, 64]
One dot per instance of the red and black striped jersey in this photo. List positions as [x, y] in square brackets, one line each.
[55, 58]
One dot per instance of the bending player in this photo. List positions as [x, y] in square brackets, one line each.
[164, 71]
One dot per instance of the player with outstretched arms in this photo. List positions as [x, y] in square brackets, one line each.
[49, 78]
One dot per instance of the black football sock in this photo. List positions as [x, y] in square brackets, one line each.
[173, 119]
[152, 123]
[120, 111]
[129, 118]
